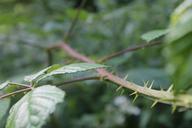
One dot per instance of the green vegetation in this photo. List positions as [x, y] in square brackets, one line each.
[95, 63]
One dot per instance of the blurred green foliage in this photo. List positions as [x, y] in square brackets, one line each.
[179, 49]
[105, 26]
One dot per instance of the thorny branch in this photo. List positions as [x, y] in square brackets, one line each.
[183, 100]
[158, 95]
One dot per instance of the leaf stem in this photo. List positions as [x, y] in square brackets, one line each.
[24, 85]
[79, 79]
[14, 93]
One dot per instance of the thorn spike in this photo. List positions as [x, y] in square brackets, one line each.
[151, 85]
[154, 103]
[134, 93]
[170, 88]
[122, 92]
[146, 83]
[120, 87]
[161, 88]
[136, 96]
[125, 78]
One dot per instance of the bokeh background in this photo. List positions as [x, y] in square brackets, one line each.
[103, 27]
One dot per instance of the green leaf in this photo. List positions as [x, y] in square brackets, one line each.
[3, 85]
[39, 74]
[79, 67]
[179, 14]
[34, 109]
[8, 87]
[152, 35]
[68, 69]
[4, 105]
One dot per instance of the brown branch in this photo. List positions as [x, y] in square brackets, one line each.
[75, 20]
[74, 53]
[131, 49]
[106, 74]
[158, 95]
[15, 92]
[49, 57]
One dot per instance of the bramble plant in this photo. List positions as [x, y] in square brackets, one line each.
[41, 93]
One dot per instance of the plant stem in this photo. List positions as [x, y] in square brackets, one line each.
[79, 79]
[158, 95]
[15, 92]
[74, 21]
[49, 57]
[131, 49]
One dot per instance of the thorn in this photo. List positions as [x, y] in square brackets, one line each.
[134, 93]
[151, 85]
[146, 84]
[125, 78]
[120, 87]
[161, 89]
[102, 78]
[170, 88]
[136, 96]
[154, 103]
[174, 107]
